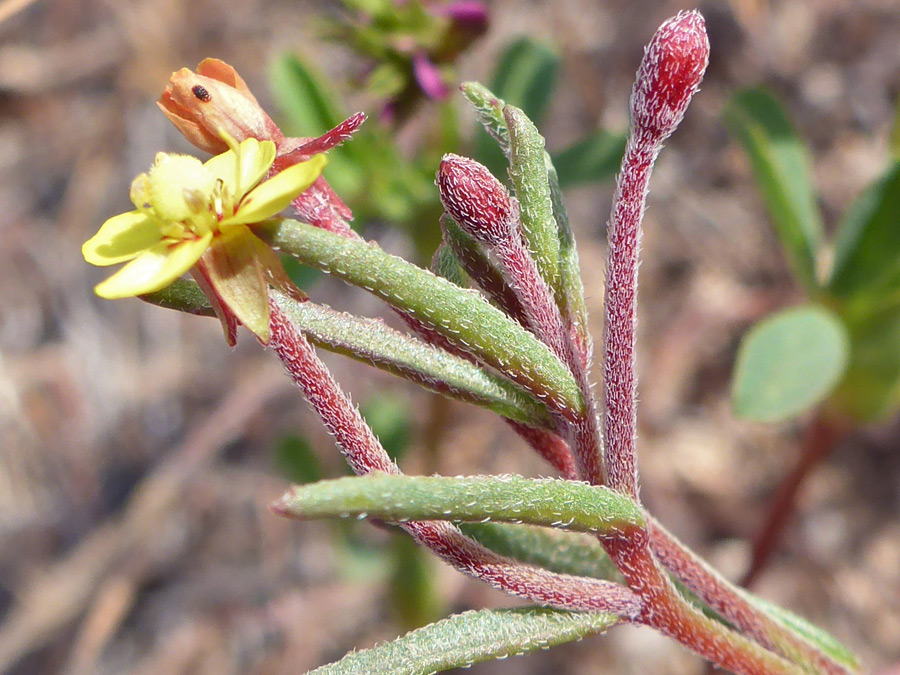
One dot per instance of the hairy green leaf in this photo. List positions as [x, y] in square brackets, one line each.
[780, 163]
[526, 78]
[528, 172]
[788, 363]
[472, 637]
[398, 498]
[572, 303]
[183, 295]
[490, 112]
[462, 316]
[826, 643]
[594, 158]
[371, 341]
[555, 550]
[867, 249]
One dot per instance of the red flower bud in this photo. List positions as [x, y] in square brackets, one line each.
[673, 66]
[476, 200]
[213, 103]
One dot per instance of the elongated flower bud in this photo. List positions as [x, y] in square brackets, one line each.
[673, 66]
[476, 200]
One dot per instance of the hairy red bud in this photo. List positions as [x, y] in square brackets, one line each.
[673, 66]
[476, 200]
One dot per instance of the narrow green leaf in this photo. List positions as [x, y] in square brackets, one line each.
[788, 363]
[528, 172]
[472, 637]
[397, 498]
[826, 643]
[867, 248]
[183, 295]
[463, 316]
[781, 166]
[572, 303]
[446, 265]
[372, 342]
[490, 112]
[591, 159]
[525, 77]
[559, 551]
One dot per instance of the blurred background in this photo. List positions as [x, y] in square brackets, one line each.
[138, 453]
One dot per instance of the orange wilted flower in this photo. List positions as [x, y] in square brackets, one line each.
[214, 105]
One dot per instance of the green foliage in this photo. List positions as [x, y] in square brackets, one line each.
[388, 415]
[399, 498]
[871, 388]
[556, 550]
[780, 162]
[463, 639]
[815, 635]
[528, 173]
[590, 159]
[296, 460]
[525, 77]
[867, 248]
[860, 379]
[788, 363]
[458, 315]
[404, 196]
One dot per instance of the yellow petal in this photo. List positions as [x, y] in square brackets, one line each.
[235, 270]
[255, 160]
[276, 193]
[122, 238]
[154, 269]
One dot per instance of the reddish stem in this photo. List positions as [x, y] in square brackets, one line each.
[549, 446]
[819, 441]
[728, 601]
[619, 378]
[667, 611]
[365, 454]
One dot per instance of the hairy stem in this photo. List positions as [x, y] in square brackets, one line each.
[729, 601]
[365, 454]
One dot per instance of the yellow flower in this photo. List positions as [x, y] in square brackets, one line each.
[198, 217]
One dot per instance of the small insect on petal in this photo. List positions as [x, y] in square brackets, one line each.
[201, 93]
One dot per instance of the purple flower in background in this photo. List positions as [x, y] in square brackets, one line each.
[466, 14]
[429, 78]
